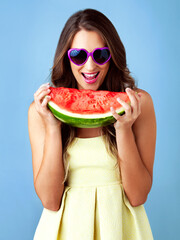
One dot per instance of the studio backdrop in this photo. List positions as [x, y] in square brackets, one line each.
[30, 31]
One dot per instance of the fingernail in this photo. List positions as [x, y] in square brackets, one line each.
[47, 96]
[128, 89]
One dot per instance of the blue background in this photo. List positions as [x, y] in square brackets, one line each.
[29, 35]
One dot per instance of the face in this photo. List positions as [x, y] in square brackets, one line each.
[90, 75]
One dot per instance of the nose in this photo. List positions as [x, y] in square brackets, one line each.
[90, 64]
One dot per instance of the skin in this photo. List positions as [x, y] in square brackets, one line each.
[136, 138]
[81, 40]
[135, 135]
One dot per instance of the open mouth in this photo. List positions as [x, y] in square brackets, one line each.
[90, 77]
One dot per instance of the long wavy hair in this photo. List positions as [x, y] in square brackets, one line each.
[117, 78]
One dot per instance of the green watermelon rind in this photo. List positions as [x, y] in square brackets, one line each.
[83, 120]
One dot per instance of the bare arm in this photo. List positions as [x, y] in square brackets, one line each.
[46, 145]
[136, 136]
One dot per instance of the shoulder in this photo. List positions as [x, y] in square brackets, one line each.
[145, 97]
[32, 112]
[31, 108]
[146, 101]
[34, 119]
[147, 116]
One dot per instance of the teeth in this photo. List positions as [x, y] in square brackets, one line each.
[90, 75]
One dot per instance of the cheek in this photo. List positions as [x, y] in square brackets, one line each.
[75, 69]
[105, 69]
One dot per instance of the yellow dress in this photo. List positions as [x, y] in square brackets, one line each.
[94, 205]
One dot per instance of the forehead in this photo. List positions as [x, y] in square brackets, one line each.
[88, 40]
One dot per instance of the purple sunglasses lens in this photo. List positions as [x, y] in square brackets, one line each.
[101, 56]
[80, 56]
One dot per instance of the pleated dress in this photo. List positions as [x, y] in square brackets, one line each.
[94, 205]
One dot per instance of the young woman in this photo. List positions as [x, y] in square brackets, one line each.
[93, 182]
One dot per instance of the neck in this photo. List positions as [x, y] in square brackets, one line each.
[88, 132]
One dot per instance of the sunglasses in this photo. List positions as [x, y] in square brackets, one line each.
[79, 56]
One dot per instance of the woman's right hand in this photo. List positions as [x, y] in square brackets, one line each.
[41, 101]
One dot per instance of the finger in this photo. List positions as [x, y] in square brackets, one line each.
[45, 84]
[45, 101]
[39, 100]
[126, 106]
[134, 101]
[41, 96]
[138, 96]
[41, 88]
[115, 114]
[139, 99]
[132, 96]
[39, 91]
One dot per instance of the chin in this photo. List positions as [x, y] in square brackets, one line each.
[90, 86]
[94, 87]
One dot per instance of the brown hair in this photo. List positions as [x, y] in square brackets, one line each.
[117, 78]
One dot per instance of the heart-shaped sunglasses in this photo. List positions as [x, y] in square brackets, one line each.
[79, 56]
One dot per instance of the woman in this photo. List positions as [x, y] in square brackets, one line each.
[93, 182]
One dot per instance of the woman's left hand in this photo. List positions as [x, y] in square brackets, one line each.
[132, 110]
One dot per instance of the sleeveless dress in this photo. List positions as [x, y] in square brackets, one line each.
[94, 205]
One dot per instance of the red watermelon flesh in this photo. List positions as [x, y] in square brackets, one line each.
[85, 108]
[86, 101]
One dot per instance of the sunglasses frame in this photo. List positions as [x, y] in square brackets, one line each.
[88, 54]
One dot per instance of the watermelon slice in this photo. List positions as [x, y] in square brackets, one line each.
[85, 108]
